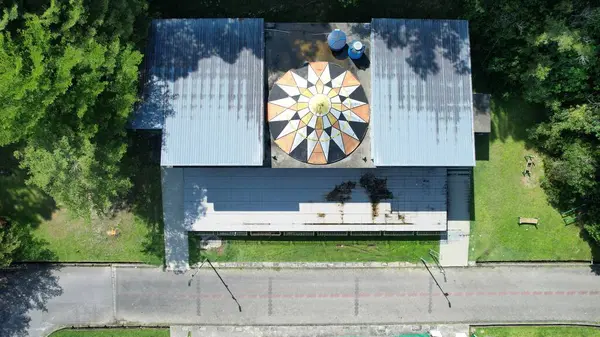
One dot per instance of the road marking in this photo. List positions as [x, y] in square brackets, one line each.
[113, 277]
[429, 308]
[270, 294]
[581, 293]
[198, 297]
[356, 296]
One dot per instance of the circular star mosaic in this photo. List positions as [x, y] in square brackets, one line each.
[318, 114]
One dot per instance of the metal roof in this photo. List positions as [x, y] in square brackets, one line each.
[421, 93]
[206, 76]
[247, 194]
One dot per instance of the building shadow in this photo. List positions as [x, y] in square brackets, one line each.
[363, 62]
[460, 195]
[482, 146]
[22, 289]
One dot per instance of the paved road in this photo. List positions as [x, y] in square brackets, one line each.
[36, 301]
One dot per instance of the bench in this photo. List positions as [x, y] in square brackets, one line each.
[528, 221]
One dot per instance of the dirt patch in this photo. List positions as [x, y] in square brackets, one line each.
[530, 181]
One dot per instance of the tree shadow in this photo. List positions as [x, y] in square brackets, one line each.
[514, 118]
[22, 289]
[311, 11]
[25, 207]
[425, 44]
[142, 164]
[178, 48]
[594, 247]
[155, 104]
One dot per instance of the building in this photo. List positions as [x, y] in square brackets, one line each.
[261, 121]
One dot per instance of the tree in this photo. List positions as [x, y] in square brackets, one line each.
[8, 242]
[68, 82]
[547, 53]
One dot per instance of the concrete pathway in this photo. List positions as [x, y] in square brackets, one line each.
[454, 249]
[314, 330]
[37, 300]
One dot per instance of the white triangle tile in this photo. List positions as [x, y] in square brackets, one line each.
[352, 103]
[284, 102]
[313, 122]
[326, 90]
[300, 136]
[302, 131]
[347, 129]
[337, 82]
[300, 81]
[313, 89]
[284, 116]
[346, 91]
[347, 114]
[337, 138]
[336, 99]
[292, 91]
[325, 144]
[312, 76]
[326, 122]
[336, 113]
[290, 127]
[311, 143]
[325, 76]
[303, 98]
[303, 112]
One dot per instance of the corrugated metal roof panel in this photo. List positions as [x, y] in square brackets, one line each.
[206, 75]
[421, 93]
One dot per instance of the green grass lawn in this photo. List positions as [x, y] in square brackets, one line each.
[502, 194]
[48, 233]
[315, 250]
[538, 332]
[78, 240]
[111, 333]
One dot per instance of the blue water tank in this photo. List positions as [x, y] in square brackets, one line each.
[356, 50]
[336, 40]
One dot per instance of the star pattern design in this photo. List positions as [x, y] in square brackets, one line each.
[318, 114]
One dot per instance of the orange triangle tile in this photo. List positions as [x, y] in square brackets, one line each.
[273, 110]
[301, 124]
[350, 144]
[317, 157]
[336, 125]
[319, 132]
[349, 79]
[285, 142]
[362, 112]
[287, 79]
[318, 67]
[318, 148]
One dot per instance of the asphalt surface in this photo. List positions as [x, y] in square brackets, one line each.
[35, 301]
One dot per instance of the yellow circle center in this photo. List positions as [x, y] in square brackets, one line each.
[319, 104]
